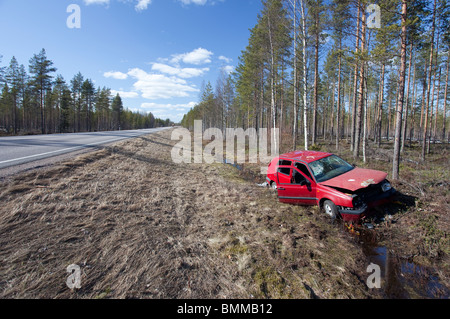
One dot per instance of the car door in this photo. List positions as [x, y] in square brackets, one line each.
[295, 187]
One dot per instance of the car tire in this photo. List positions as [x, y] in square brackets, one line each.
[330, 209]
[273, 185]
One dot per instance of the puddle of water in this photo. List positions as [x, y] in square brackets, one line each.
[400, 278]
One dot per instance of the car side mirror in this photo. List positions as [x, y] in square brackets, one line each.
[304, 182]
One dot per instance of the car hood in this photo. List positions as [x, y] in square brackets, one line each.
[356, 178]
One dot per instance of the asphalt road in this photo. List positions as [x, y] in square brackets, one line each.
[17, 150]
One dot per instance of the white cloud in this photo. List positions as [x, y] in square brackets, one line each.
[180, 72]
[123, 94]
[228, 69]
[115, 75]
[225, 59]
[159, 86]
[197, 57]
[89, 2]
[142, 5]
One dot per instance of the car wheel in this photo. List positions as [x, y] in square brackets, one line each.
[273, 185]
[330, 209]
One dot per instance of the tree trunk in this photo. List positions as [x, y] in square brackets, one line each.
[405, 118]
[338, 108]
[355, 82]
[424, 94]
[437, 107]
[42, 109]
[361, 91]
[272, 84]
[294, 142]
[316, 80]
[305, 87]
[380, 105]
[401, 95]
[332, 112]
[431, 111]
[424, 138]
[445, 98]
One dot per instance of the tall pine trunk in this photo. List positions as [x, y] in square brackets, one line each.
[430, 66]
[445, 97]
[355, 82]
[401, 95]
[405, 121]
[361, 91]
[380, 106]
[338, 109]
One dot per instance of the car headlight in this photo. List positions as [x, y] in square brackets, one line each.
[386, 186]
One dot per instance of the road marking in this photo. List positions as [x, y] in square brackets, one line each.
[65, 149]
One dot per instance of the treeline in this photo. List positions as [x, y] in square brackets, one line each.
[326, 70]
[39, 102]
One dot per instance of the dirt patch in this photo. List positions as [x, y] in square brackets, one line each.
[140, 226]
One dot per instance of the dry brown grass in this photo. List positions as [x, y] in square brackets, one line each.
[140, 226]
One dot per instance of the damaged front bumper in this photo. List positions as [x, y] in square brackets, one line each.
[352, 214]
[356, 213]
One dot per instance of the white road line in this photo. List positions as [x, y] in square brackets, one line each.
[65, 149]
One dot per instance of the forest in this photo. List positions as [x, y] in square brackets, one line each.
[360, 72]
[38, 102]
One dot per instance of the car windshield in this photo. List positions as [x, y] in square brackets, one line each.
[329, 167]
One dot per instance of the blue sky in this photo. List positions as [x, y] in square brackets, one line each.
[155, 53]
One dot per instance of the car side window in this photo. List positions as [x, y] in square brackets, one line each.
[297, 178]
[302, 168]
[284, 170]
[284, 162]
[284, 175]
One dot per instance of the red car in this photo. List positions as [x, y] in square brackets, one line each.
[324, 179]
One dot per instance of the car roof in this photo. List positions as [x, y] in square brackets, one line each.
[305, 156]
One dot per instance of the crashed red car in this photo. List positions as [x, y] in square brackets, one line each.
[318, 178]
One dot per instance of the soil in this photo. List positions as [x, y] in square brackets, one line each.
[140, 226]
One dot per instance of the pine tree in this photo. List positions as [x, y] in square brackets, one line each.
[88, 94]
[65, 109]
[41, 68]
[13, 79]
[76, 85]
[117, 109]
